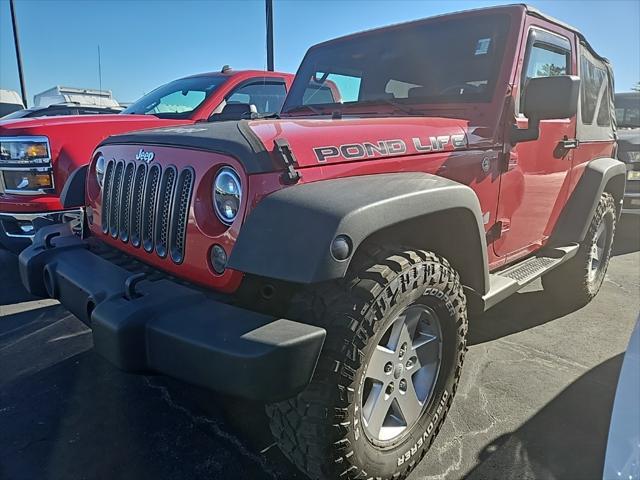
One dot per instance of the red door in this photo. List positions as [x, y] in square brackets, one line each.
[534, 189]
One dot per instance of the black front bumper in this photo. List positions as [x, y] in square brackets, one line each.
[165, 327]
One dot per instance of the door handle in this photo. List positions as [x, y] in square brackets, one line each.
[563, 147]
[570, 143]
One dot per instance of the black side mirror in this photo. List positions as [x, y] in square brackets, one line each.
[546, 98]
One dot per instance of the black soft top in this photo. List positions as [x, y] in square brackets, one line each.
[232, 137]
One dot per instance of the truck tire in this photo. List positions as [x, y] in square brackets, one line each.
[578, 280]
[390, 366]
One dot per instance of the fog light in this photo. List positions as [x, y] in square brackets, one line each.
[218, 259]
[341, 247]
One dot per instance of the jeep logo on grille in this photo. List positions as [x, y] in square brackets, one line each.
[146, 157]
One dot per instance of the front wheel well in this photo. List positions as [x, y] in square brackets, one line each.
[452, 234]
[615, 187]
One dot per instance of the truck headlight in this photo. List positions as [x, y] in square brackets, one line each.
[227, 193]
[25, 165]
[25, 150]
[100, 164]
[632, 157]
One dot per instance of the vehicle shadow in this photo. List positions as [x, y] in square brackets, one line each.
[12, 290]
[82, 418]
[528, 309]
[517, 313]
[627, 239]
[566, 439]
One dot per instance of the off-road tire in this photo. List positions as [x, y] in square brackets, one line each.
[570, 282]
[320, 430]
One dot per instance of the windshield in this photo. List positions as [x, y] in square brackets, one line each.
[177, 99]
[451, 61]
[628, 112]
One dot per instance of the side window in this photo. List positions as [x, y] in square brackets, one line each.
[593, 81]
[549, 55]
[604, 113]
[546, 61]
[267, 97]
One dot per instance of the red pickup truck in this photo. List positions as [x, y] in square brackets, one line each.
[38, 154]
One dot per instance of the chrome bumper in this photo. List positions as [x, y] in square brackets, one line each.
[24, 225]
[635, 209]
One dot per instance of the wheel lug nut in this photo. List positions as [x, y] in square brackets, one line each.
[388, 368]
[403, 385]
[389, 389]
[403, 349]
[409, 363]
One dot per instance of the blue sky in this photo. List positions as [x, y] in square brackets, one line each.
[145, 43]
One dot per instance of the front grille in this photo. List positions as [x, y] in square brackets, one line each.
[147, 206]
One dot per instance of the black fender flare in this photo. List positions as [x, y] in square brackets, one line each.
[288, 235]
[73, 191]
[600, 175]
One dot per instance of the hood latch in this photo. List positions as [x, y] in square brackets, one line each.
[286, 156]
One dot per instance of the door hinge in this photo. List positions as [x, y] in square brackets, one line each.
[497, 230]
[503, 161]
[291, 175]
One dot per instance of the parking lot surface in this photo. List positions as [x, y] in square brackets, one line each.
[534, 401]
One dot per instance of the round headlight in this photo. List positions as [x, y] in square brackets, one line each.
[227, 193]
[100, 170]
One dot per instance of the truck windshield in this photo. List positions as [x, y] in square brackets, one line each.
[446, 61]
[177, 99]
[628, 112]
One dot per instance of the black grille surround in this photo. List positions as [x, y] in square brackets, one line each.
[148, 206]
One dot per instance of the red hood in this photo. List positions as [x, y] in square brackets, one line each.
[40, 123]
[321, 141]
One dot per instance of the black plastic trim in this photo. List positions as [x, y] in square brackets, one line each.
[73, 192]
[231, 137]
[272, 244]
[599, 175]
[180, 214]
[166, 327]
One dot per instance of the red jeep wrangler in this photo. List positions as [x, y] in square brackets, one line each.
[326, 262]
[38, 155]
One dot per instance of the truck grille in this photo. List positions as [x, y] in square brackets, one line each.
[147, 207]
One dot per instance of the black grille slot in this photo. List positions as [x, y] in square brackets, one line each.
[165, 200]
[116, 190]
[125, 204]
[180, 214]
[107, 186]
[135, 230]
[149, 206]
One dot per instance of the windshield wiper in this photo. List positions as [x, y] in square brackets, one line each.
[297, 108]
[399, 106]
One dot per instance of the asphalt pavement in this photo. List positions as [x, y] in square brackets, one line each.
[534, 402]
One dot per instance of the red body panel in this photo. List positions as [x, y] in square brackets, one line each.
[73, 138]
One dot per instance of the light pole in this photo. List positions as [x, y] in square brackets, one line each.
[269, 12]
[23, 89]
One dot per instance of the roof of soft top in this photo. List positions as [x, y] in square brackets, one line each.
[528, 8]
[538, 13]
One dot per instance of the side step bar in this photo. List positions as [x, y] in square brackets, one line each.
[508, 281]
